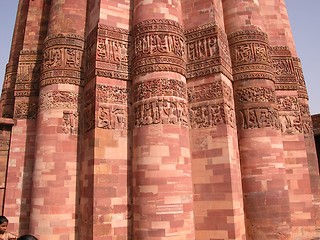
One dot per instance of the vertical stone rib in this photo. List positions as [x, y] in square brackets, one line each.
[54, 203]
[216, 176]
[26, 93]
[290, 110]
[162, 187]
[7, 94]
[266, 197]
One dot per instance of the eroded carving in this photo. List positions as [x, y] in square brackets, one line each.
[59, 99]
[255, 94]
[290, 122]
[112, 112]
[161, 111]
[112, 117]
[112, 94]
[262, 117]
[70, 122]
[211, 115]
[25, 110]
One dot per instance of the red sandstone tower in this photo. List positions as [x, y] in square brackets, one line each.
[157, 120]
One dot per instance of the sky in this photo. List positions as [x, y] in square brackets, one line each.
[304, 19]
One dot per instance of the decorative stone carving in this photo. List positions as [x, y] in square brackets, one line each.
[302, 90]
[112, 117]
[283, 66]
[287, 103]
[289, 114]
[304, 109]
[7, 95]
[213, 102]
[159, 87]
[62, 60]
[112, 53]
[290, 122]
[25, 110]
[70, 122]
[161, 111]
[205, 92]
[112, 94]
[59, 100]
[112, 104]
[207, 51]
[27, 82]
[158, 45]
[255, 94]
[307, 127]
[250, 54]
[211, 115]
[250, 118]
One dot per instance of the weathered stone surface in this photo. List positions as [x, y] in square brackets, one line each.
[154, 120]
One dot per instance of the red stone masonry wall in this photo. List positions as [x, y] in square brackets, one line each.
[157, 120]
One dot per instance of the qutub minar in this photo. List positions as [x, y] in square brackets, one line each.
[157, 120]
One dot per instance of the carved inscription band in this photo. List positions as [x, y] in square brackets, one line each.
[62, 60]
[112, 53]
[207, 51]
[158, 45]
[250, 54]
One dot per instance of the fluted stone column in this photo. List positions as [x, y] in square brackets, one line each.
[55, 177]
[218, 199]
[291, 115]
[266, 197]
[26, 93]
[106, 174]
[162, 187]
[7, 94]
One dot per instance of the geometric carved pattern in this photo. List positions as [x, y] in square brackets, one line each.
[250, 54]
[62, 60]
[59, 100]
[158, 45]
[207, 51]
